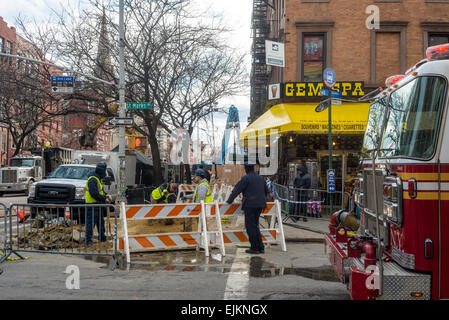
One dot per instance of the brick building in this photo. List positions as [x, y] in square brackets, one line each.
[342, 35]
[50, 130]
[7, 41]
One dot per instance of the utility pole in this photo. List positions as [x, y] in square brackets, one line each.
[122, 112]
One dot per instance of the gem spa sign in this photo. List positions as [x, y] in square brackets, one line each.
[349, 89]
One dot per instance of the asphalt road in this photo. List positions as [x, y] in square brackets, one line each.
[301, 273]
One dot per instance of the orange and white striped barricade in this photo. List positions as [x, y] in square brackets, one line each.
[140, 243]
[234, 237]
[183, 189]
[215, 191]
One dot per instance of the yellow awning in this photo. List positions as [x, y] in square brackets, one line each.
[301, 118]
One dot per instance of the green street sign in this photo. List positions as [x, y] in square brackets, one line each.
[138, 105]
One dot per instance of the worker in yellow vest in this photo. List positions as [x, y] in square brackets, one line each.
[96, 195]
[203, 190]
[165, 193]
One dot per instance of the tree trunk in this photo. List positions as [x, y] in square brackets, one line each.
[158, 179]
[188, 174]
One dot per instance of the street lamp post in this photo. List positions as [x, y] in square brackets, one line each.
[122, 113]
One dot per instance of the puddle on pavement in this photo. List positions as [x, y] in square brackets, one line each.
[194, 261]
[258, 268]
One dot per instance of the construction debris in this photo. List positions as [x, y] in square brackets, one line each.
[56, 236]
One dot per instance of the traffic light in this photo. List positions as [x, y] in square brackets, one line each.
[141, 142]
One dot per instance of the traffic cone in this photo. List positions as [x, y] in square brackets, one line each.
[21, 216]
[67, 212]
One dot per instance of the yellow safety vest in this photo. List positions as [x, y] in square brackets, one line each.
[158, 193]
[89, 198]
[208, 194]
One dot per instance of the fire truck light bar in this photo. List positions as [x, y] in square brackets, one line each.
[440, 52]
[393, 79]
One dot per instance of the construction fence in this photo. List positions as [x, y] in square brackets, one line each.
[314, 203]
[59, 229]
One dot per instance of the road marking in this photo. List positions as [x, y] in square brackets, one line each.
[238, 280]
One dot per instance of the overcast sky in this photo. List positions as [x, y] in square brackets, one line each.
[237, 14]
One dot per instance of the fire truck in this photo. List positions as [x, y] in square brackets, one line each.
[400, 247]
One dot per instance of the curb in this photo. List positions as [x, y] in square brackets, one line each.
[304, 228]
[305, 240]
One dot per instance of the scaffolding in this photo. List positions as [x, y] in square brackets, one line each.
[259, 72]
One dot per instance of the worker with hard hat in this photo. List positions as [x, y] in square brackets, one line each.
[165, 193]
[96, 195]
[203, 190]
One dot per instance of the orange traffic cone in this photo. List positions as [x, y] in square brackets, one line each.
[21, 216]
[67, 212]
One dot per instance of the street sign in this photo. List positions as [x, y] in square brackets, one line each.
[138, 105]
[331, 181]
[329, 78]
[121, 121]
[322, 106]
[62, 84]
[336, 102]
[335, 94]
[324, 92]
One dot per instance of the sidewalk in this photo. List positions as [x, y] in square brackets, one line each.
[311, 231]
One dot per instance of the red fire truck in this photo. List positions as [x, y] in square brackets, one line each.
[401, 249]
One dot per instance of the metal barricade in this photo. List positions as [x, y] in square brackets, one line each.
[62, 229]
[3, 230]
[303, 203]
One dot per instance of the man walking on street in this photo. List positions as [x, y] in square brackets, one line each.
[254, 190]
[96, 195]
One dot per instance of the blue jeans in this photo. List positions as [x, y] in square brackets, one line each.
[95, 217]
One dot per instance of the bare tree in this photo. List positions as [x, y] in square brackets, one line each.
[26, 99]
[175, 58]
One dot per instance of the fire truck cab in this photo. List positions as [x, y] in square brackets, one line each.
[401, 249]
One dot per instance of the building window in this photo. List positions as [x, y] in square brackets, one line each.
[2, 43]
[3, 142]
[8, 50]
[438, 38]
[314, 58]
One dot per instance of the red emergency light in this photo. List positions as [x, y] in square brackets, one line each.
[440, 52]
[393, 79]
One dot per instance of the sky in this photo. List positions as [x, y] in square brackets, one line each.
[237, 16]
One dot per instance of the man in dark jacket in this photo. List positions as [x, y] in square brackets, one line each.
[302, 184]
[254, 190]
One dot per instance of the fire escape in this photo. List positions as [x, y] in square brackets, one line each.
[259, 73]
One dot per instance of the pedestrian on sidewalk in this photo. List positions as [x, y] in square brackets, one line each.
[302, 183]
[254, 190]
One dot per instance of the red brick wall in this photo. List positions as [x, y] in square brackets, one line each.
[351, 39]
